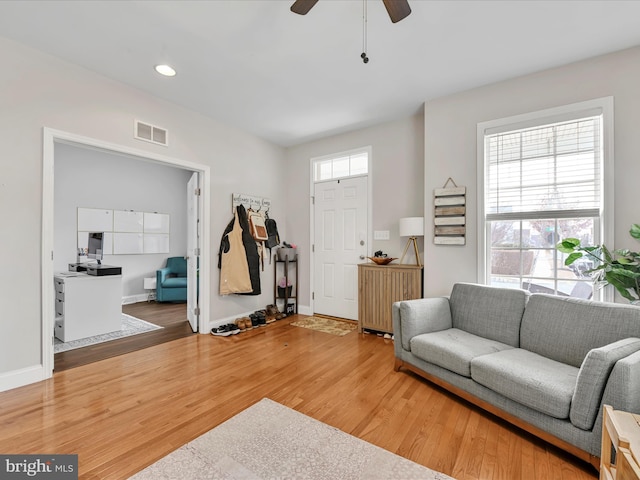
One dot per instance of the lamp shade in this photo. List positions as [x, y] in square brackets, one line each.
[412, 227]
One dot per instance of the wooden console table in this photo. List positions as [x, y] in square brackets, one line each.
[379, 286]
[620, 454]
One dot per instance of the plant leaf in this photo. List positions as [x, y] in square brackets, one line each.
[620, 287]
[635, 231]
[568, 245]
[572, 258]
[623, 272]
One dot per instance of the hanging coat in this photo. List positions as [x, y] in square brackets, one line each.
[236, 264]
[251, 249]
[232, 261]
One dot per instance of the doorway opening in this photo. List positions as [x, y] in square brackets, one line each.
[161, 313]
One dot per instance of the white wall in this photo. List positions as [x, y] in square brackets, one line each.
[38, 90]
[89, 178]
[397, 183]
[450, 146]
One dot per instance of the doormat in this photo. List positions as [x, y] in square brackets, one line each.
[326, 325]
[130, 326]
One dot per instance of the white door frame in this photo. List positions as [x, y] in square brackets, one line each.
[50, 138]
[312, 233]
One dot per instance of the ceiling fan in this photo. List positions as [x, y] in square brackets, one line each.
[397, 9]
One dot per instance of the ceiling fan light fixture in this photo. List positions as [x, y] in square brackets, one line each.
[165, 70]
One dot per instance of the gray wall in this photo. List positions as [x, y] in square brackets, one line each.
[39, 90]
[90, 178]
[450, 146]
[397, 180]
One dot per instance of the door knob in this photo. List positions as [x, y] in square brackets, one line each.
[362, 257]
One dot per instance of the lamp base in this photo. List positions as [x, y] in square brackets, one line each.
[415, 249]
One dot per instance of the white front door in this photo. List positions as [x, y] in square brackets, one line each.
[340, 243]
[193, 252]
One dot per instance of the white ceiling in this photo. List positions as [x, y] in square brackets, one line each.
[290, 79]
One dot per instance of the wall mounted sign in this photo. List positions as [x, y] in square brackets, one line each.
[449, 214]
[249, 201]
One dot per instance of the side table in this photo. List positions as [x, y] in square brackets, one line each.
[620, 455]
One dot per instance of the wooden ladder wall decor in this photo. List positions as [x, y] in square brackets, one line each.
[449, 214]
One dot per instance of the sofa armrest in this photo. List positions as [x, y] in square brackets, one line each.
[622, 392]
[415, 317]
[161, 275]
[592, 378]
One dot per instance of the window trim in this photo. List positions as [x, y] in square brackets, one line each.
[603, 105]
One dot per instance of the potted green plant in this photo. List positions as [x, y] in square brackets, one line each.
[620, 268]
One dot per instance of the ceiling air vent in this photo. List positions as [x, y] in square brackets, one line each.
[151, 133]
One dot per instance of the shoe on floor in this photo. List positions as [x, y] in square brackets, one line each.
[240, 324]
[247, 323]
[221, 331]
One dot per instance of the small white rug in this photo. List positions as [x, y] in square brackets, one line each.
[271, 441]
[130, 326]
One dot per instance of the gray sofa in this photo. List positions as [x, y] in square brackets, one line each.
[544, 363]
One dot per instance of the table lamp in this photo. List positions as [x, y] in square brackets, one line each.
[412, 227]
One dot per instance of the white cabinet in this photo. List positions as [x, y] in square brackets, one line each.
[87, 305]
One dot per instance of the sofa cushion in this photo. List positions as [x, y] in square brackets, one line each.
[527, 378]
[592, 378]
[489, 312]
[453, 349]
[565, 329]
[175, 282]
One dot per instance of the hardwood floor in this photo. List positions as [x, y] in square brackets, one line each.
[171, 316]
[124, 413]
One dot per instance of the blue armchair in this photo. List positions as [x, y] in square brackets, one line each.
[171, 281]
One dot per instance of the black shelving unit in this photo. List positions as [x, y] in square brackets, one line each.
[279, 295]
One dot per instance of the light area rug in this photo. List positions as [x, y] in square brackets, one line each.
[271, 441]
[326, 325]
[130, 326]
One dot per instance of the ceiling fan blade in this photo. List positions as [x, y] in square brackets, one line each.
[302, 7]
[397, 9]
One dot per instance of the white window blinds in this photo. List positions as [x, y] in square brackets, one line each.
[550, 171]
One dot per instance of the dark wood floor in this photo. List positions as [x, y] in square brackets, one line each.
[171, 316]
[123, 413]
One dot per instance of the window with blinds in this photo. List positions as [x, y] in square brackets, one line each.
[548, 171]
[543, 181]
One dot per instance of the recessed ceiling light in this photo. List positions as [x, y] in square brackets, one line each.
[165, 70]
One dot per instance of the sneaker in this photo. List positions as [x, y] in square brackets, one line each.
[254, 320]
[262, 317]
[233, 328]
[221, 331]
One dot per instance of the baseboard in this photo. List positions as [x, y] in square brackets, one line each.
[142, 297]
[22, 377]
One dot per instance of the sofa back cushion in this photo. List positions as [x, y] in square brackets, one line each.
[565, 329]
[489, 312]
[178, 266]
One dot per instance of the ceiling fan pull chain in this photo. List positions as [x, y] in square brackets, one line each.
[363, 55]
